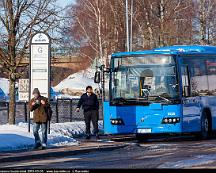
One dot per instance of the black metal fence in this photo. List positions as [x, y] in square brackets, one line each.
[63, 111]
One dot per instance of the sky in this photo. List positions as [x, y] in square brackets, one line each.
[64, 3]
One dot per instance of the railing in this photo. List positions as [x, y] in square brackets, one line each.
[63, 111]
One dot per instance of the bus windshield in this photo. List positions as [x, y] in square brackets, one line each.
[149, 78]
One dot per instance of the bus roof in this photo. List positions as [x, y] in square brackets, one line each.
[173, 50]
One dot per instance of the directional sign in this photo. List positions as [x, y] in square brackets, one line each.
[40, 64]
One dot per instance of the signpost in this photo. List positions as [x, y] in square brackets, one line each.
[23, 89]
[39, 65]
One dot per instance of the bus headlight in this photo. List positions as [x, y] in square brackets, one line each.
[165, 120]
[117, 121]
[171, 120]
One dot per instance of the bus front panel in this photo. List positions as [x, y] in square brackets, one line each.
[153, 119]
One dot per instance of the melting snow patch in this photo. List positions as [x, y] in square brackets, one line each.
[159, 146]
[187, 163]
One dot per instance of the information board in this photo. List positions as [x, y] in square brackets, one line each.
[23, 89]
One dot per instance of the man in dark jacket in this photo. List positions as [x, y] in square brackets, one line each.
[39, 105]
[90, 105]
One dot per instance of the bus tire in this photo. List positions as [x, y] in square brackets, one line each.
[205, 126]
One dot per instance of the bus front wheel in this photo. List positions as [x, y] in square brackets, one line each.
[205, 126]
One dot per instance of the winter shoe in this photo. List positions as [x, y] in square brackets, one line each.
[88, 137]
[44, 146]
[97, 136]
[37, 146]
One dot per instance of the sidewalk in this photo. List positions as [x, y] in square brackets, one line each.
[81, 148]
[16, 137]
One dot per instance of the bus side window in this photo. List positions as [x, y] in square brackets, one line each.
[185, 81]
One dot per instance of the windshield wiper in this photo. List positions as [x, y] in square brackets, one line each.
[163, 98]
[123, 100]
[120, 99]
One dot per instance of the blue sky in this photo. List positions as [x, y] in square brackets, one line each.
[64, 3]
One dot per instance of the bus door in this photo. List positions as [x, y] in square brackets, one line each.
[191, 105]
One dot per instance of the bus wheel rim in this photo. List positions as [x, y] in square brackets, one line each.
[206, 125]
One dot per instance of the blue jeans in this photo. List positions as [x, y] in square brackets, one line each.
[44, 133]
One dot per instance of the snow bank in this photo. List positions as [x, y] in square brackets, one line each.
[77, 81]
[16, 137]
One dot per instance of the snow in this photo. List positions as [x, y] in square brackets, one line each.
[191, 162]
[67, 96]
[4, 85]
[78, 81]
[16, 137]
[75, 83]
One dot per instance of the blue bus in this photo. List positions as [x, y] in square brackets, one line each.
[168, 90]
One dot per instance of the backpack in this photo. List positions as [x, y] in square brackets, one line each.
[49, 113]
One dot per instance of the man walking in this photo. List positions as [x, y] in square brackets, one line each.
[90, 105]
[39, 105]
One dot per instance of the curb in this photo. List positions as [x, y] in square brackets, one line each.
[60, 153]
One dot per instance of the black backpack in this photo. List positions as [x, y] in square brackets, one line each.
[49, 112]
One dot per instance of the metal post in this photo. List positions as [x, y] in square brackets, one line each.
[57, 116]
[71, 110]
[25, 111]
[103, 88]
[127, 25]
[131, 27]
[29, 122]
[7, 104]
[103, 82]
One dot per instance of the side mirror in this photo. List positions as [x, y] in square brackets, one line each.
[97, 77]
[186, 91]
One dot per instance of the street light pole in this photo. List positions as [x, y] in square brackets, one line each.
[131, 27]
[127, 25]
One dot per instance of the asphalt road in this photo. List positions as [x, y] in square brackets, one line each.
[175, 153]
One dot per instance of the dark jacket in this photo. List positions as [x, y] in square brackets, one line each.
[40, 111]
[88, 102]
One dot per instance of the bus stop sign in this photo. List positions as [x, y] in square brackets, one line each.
[40, 64]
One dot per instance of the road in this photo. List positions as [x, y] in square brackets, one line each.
[177, 153]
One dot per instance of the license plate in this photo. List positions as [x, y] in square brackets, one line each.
[144, 131]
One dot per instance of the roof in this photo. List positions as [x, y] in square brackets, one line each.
[173, 50]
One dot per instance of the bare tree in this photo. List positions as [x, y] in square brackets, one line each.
[100, 25]
[206, 12]
[19, 19]
[94, 23]
[162, 22]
